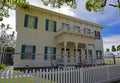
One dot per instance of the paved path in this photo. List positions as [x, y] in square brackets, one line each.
[9, 69]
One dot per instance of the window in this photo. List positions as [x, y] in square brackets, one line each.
[49, 52]
[97, 34]
[88, 31]
[84, 30]
[77, 28]
[30, 21]
[50, 25]
[99, 54]
[90, 53]
[65, 26]
[28, 52]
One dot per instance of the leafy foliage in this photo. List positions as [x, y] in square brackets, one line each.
[59, 3]
[6, 38]
[107, 50]
[3, 66]
[118, 48]
[5, 5]
[95, 5]
[91, 5]
[113, 48]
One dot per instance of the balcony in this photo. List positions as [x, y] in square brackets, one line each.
[76, 31]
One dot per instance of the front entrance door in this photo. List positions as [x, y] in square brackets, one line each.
[79, 57]
[67, 54]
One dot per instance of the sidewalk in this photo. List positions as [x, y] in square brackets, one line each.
[9, 70]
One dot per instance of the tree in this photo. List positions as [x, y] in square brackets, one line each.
[91, 5]
[107, 50]
[5, 5]
[5, 38]
[118, 48]
[113, 48]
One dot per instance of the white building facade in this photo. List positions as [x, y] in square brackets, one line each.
[48, 38]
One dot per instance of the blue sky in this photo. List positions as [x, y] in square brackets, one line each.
[110, 18]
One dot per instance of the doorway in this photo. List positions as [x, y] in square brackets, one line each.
[67, 54]
[90, 55]
[79, 57]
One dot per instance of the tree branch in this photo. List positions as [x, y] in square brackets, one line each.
[118, 1]
[112, 5]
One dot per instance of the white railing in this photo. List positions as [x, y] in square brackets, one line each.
[98, 74]
[76, 31]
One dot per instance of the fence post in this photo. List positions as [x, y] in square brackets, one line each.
[108, 73]
[81, 75]
[9, 76]
[37, 77]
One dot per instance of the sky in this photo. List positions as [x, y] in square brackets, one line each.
[109, 18]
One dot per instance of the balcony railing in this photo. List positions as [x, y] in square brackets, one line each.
[77, 31]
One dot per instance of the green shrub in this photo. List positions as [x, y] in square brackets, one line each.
[3, 66]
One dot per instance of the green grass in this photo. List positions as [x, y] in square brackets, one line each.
[17, 72]
[23, 80]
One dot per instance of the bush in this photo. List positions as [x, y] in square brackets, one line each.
[3, 66]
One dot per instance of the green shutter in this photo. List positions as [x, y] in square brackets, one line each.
[47, 24]
[86, 54]
[54, 52]
[55, 26]
[36, 22]
[97, 54]
[95, 33]
[100, 54]
[45, 53]
[98, 34]
[34, 52]
[22, 51]
[26, 20]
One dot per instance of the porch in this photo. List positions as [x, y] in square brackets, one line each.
[72, 54]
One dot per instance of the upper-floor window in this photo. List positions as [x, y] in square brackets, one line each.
[28, 52]
[51, 25]
[49, 53]
[30, 21]
[88, 31]
[97, 34]
[77, 28]
[64, 25]
[85, 30]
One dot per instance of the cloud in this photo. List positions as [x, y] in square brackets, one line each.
[64, 9]
[109, 41]
[114, 23]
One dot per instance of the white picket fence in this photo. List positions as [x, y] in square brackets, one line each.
[97, 74]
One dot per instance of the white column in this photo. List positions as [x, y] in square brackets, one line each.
[76, 55]
[65, 46]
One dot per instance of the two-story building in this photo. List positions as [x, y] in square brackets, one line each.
[48, 38]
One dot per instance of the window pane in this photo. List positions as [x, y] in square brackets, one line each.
[51, 26]
[28, 52]
[50, 53]
[31, 21]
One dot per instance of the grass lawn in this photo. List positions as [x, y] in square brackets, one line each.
[24, 80]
